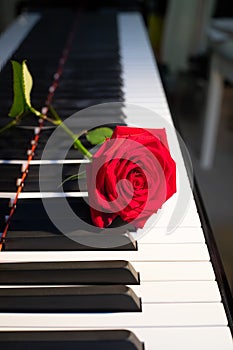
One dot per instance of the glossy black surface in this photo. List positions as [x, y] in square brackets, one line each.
[71, 340]
[108, 298]
[68, 272]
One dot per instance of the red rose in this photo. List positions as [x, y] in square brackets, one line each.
[131, 176]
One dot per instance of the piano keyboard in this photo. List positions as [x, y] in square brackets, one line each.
[169, 274]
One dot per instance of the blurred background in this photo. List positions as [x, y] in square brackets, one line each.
[193, 44]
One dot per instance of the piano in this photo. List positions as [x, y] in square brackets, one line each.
[165, 290]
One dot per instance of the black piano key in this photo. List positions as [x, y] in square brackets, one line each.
[68, 273]
[42, 58]
[31, 229]
[4, 211]
[90, 85]
[52, 241]
[15, 142]
[32, 209]
[32, 184]
[32, 213]
[70, 340]
[108, 298]
[49, 178]
[45, 175]
[86, 101]
[9, 175]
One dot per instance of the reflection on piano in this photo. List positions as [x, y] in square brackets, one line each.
[163, 292]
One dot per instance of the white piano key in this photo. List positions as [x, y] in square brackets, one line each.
[127, 66]
[149, 78]
[128, 72]
[153, 292]
[135, 116]
[189, 219]
[201, 338]
[177, 292]
[135, 111]
[152, 315]
[27, 195]
[128, 55]
[136, 98]
[44, 161]
[136, 120]
[179, 235]
[151, 100]
[146, 252]
[147, 95]
[129, 86]
[162, 219]
[160, 111]
[175, 270]
[135, 27]
[143, 101]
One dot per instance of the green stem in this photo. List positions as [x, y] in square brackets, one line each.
[14, 122]
[57, 121]
[54, 113]
[77, 142]
[52, 121]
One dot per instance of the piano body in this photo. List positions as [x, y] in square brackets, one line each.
[166, 291]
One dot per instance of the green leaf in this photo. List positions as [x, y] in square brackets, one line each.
[22, 90]
[99, 135]
[18, 106]
[27, 87]
[27, 83]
